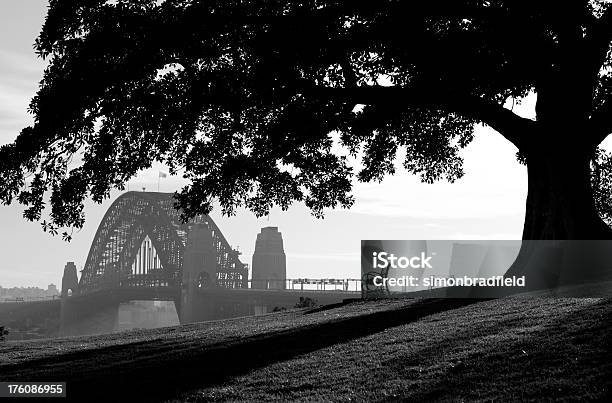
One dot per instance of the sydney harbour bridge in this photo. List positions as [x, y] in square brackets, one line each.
[141, 242]
[143, 251]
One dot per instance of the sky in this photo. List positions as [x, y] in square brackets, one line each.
[487, 203]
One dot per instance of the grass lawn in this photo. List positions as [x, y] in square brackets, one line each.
[506, 349]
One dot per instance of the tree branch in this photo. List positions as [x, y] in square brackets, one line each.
[601, 37]
[605, 22]
[504, 121]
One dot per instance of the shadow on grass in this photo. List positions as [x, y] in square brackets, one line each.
[168, 375]
[567, 357]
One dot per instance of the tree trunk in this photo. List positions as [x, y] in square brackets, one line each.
[561, 222]
[560, 203]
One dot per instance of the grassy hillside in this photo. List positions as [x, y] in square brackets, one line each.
[506, 349]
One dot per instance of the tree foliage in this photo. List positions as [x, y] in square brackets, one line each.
[251, 100]
[602, 184]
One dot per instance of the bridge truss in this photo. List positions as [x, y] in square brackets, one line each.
[141, 241]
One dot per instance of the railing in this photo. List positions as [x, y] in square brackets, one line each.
[306, 284]
[28, 299]
[349, 285]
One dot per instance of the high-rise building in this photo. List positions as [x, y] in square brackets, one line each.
[269, 260]
[52, 290]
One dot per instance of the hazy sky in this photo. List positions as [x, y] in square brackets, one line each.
[487, 203]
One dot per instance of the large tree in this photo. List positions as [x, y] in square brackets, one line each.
[247, 98]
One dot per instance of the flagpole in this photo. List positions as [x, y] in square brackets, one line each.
[158, 180]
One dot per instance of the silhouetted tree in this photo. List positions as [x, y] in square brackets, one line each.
[249, 98]
[306, 302]
[601, 179]
[3, 333]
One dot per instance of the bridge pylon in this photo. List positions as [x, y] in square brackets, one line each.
[199, 275]
[269, 260]
[70, 280]
[79, 316]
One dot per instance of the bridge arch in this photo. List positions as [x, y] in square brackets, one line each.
[136, 216]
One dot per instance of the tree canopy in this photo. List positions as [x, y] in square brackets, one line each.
[251, 99]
